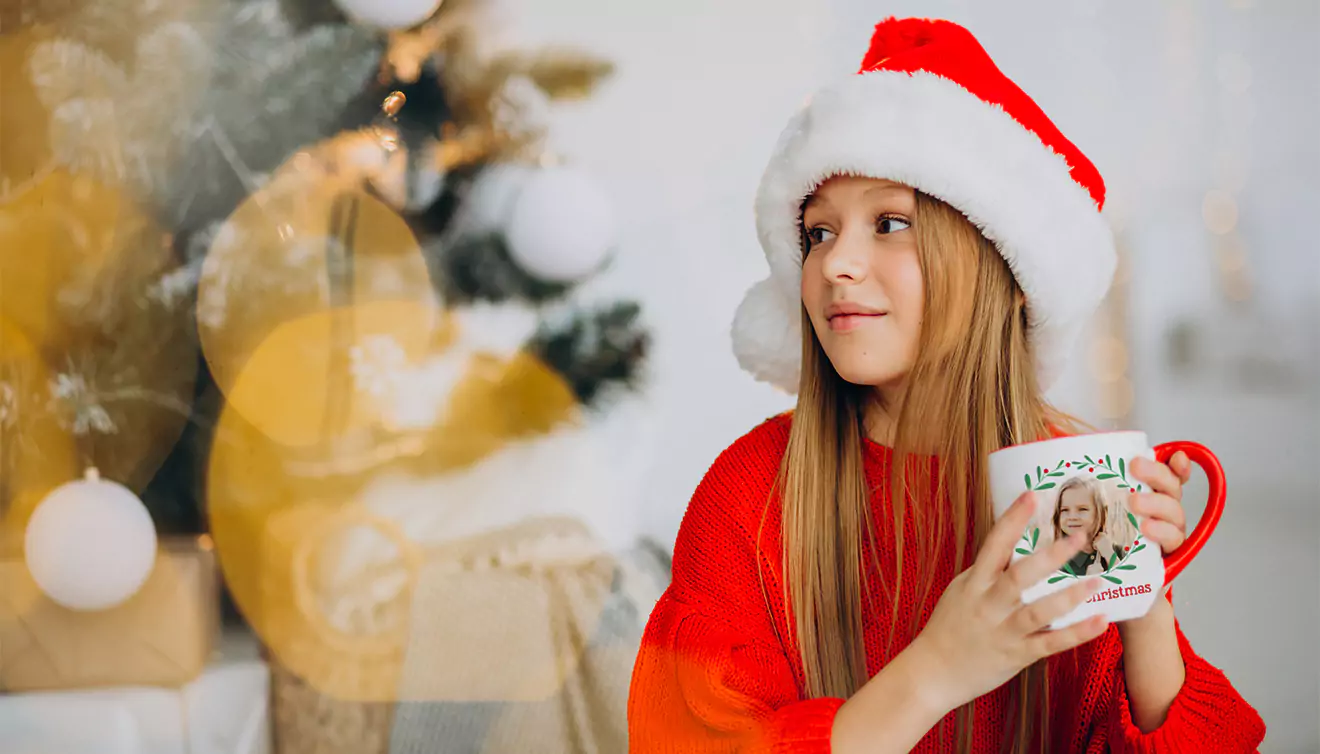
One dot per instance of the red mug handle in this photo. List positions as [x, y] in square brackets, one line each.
[1177, 560]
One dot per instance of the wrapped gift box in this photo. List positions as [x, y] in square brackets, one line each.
[161, 636]
[223, 711]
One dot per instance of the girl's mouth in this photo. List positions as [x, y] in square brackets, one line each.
[846, 322]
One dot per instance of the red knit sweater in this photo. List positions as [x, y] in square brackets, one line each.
[712, 676]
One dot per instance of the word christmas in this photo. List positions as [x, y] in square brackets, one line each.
[1123, 591]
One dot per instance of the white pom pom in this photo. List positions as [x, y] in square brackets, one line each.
[562, 225]
[389, 14]
[90, 545]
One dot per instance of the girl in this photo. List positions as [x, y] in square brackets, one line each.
[838, 582]
[1083, 507]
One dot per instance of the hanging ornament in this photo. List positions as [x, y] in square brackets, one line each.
[90, 545]
[389, 14]
[562, 226]
[489, 201]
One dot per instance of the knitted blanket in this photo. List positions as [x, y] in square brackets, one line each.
[523, 640]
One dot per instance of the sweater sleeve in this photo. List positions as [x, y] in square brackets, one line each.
[711, 674]
[701, 685]
[1208, 716]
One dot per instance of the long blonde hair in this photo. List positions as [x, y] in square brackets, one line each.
[974, 379]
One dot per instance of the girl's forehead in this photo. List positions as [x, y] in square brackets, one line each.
[838, 186]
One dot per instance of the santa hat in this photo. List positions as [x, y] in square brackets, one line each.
[930, 109]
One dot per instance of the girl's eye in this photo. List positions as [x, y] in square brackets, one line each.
[890, 224]
[816, 235]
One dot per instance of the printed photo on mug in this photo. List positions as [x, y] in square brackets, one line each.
[1083, 484]
[1095, 507]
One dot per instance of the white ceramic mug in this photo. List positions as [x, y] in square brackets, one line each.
[1082, 482]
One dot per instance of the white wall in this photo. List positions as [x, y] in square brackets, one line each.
[680, 136]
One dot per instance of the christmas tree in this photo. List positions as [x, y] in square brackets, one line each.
[300, 275]
[209, 172]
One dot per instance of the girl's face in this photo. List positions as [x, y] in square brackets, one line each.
[1077, 512]
[861, 278]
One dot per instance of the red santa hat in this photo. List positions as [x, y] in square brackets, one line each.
[930, 109]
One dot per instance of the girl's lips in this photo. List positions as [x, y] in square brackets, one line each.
[846, 322]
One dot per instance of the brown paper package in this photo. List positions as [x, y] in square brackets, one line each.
[161, 636]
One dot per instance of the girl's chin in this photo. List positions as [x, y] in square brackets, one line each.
[870, 376]
[858, 364]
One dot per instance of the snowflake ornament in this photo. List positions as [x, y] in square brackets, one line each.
[78, 406]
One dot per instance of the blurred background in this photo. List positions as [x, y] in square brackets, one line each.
[347, 346]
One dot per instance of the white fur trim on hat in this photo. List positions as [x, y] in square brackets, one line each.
[768, 335]
[928, 132]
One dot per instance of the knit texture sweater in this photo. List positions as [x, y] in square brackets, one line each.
[712, 674]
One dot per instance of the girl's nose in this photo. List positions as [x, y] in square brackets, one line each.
[846, 261]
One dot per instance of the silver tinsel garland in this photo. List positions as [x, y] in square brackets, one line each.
[211, 94]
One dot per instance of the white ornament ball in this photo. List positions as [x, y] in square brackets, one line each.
[562, 226]
[389, 14]
[90, 544]
[490, 199]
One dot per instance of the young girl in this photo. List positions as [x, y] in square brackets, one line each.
[839, 584]
[1083, 507]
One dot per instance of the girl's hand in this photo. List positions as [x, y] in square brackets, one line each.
[980, 634]
[1165, 522]
[1153, 668]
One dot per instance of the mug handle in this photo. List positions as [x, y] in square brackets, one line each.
[1177, 560]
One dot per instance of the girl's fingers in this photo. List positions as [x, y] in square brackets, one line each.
[1165, 534]
[1008, 588]
[1160, 477]
[1158, 507]
[1029, 619]
[998, 547]
[1182, 466]
[1047, 643]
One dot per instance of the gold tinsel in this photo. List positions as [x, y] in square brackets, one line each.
[565, 74]
[493, 128]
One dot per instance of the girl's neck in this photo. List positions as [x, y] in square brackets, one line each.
[878, 424]
[880, 418]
